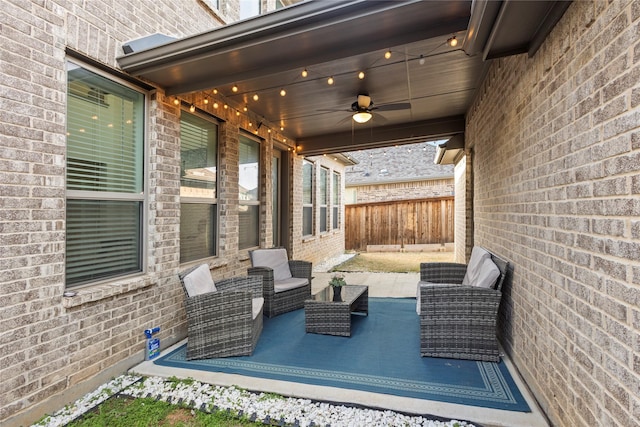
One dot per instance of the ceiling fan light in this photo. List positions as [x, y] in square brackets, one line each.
[362, 117]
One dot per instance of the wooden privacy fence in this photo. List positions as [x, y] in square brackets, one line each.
[400, 222]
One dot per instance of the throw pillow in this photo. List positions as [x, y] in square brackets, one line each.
[478, 255]
[488, 273]
[199, 281]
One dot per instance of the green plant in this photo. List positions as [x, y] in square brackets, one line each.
[337, 280]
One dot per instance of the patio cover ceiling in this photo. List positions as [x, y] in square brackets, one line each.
[265, 54]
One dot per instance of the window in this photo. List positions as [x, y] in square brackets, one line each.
[249, 8]
[307, 198]
[198, 187]
[249, 193]
[324, 199]
[336, 201]
[105, 177]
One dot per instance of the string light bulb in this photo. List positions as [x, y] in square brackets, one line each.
[453, 41]
[330, 80]
[206, 100]
[255, 97]
[234, 88]
[215, 105]
[305, 73]
[245, 108]
[215, 91]
[421, 61]
[387, 54]
[361, 75]
[176, 101]
[283, 92]
[192, 108]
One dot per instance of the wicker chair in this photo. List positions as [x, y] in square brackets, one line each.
[286, 283]
[457, 317]
[225, 322]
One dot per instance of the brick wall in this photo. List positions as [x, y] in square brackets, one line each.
[463, 216]
[384, 192]
[319, 246]
[55, 349]
[556, 191]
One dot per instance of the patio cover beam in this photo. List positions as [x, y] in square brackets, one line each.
[382, 136]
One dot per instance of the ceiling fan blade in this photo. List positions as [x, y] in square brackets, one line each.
[393, 107]
[378, 119]
[327, 110]
[344, 120]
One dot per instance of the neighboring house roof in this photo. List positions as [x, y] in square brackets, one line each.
[403, 163]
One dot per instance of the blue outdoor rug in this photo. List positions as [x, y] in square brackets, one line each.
[382, 356]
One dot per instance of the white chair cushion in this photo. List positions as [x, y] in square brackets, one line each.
[290, 283]
[256, 307]
[199, 281]
[276, 259]
[478, 255]
[488, 273]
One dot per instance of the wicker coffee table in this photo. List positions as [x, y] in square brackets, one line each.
[324, 315]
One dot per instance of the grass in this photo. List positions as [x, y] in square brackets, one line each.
[392, 262]
[144, 412]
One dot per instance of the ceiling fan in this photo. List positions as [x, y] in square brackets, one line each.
[363, 107]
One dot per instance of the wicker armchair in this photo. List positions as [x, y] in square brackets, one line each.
[286, 283]
[224, 322]
[457, 316]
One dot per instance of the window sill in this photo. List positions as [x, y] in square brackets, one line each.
[105, 290]
[308, 239]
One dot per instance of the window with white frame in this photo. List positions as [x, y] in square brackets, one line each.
[307, 198]
[198, 186]
[105, 182]
[335, 188]
[323, 195]
[249, 193]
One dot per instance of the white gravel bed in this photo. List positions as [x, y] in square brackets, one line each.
[261, 407]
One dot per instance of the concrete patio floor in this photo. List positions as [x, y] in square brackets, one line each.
[396, 285]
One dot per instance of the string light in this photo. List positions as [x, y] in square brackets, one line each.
[255, 97]
[283, 92]
[453, 42]
[330, 80]
[215, 91]
[206, 100]
[245, 108]
[215, 105]
[387, 54]
[234, 88]
[176, 101]
[305, 73]
[192, 108]
[361, 75]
